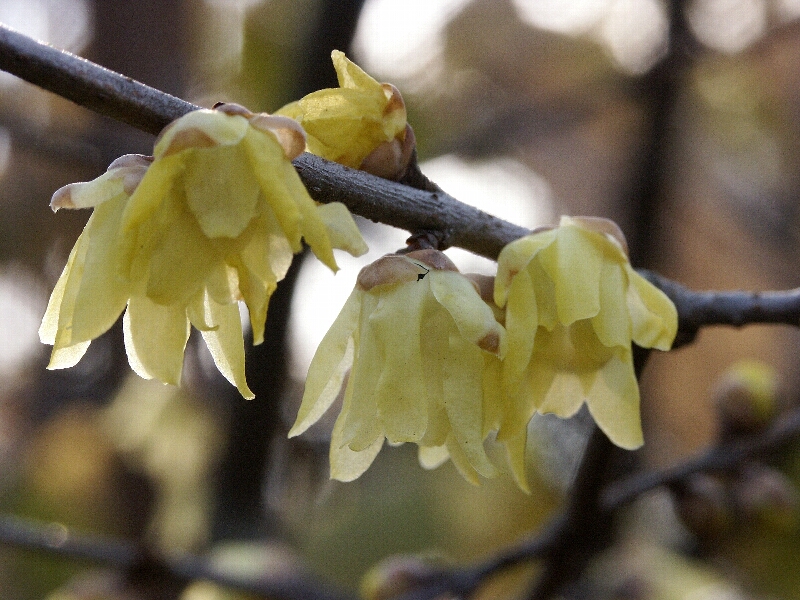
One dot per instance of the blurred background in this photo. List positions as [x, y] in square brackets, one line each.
[679, 120]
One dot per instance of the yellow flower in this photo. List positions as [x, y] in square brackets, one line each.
[361, 124]
[416, 334]
[573, 306]
[180, 238]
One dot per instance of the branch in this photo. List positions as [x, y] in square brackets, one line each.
[60, 541]
[737, 308]
[724, 456]
[122, 98]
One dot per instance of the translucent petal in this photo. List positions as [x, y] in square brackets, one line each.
[342, 229]
[654, 317]
[461, 461]
[181, 261]
[155, 339]
[269, 165]
[226, 343]
[102, 290]
[574, 264]
[48, 330]
[361, 419]
[349, 74]
[432, 457]
[516, 448]
[329, 365]
[521, 325]
[514, 258]
[65, 357]
[221, 190]
[347, 465]
[472, 316]
[612, 324]
[156, 185]
[401, 392]
[313, 228]
[614, 402]
[463, 399]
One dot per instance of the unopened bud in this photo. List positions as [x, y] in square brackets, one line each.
[390, 159]
[746, 398]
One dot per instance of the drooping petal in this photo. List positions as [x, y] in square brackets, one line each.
[102, 292]
[226, 343]
[463, 400]
[522, 322]
[331, 361]
[614, 402]
[155, 338]
[613, 323]
[342, 229]
[347, 464]
[221, 190]
[402, 406]
[515, 257]
[574, 265]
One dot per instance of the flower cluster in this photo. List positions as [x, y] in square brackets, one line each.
[212, 218]
[415, 334]
[437, 358]
[444, 361]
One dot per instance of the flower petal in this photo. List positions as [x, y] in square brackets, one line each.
[614, 402]
[342, 229]
[155, 339]
[226, 343]
[653, 315]
[333, 358]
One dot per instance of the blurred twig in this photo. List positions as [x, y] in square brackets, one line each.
[721, 457]
[56, 539]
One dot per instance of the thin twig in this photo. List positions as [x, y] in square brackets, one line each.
[721, 457]
[737, 308]
[58, 540]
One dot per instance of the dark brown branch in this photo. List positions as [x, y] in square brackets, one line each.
[148, 109]
[60, 541]
[737, 308]
[721, 457]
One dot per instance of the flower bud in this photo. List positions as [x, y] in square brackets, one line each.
[746, 398]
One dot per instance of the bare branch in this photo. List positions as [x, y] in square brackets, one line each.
[56, 539]
[721, 457]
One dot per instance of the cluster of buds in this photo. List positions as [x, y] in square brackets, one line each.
[713, 506]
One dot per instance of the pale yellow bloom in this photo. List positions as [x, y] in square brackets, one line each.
[361, 124]
[416, 334]
[179, 239]
[573, 306]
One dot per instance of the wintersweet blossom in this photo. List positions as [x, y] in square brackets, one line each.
[361, 124]
[415, 335]
[573, 305]
[178, 239]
